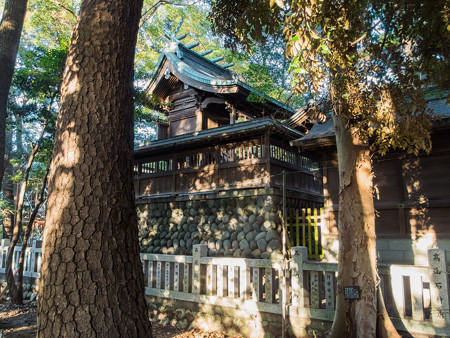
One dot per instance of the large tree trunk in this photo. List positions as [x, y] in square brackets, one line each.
[91, 276]
[10, 30]
[357, 241]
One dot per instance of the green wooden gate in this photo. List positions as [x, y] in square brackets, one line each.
[304, 229]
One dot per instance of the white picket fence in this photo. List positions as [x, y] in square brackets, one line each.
[33, 256]
[417, 297]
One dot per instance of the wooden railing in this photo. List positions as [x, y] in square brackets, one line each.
[416, 297]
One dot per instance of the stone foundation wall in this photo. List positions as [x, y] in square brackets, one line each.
[233, 322]
[233, 225]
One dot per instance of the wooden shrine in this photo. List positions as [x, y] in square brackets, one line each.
[215, 139]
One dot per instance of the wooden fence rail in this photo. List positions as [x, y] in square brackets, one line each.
[416, 297]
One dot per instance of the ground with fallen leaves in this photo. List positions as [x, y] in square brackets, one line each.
[20, 321]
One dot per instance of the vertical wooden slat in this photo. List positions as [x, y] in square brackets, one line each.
[417, 297]
[186, 277]
[297, 226]
[329, 291]
[176, 277]
[316, 233]
[268, 285]
[255, 283]
[243, 281]
[219, 281]
[398, 290]
[150, 274]
[308, 224]
[209, 279]
[231, 281]
[303, 219]
[314, 284]
[158, 274]
[167, 276]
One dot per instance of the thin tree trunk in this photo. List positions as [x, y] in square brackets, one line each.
[26, 236]
[10, 30]
[8, 191]
[91, 275]
[357, 241]
[16, 297]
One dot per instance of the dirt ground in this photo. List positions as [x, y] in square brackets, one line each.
[20, 321]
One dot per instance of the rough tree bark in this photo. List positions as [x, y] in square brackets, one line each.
[91, 276]
[10, 30]
[367, 316]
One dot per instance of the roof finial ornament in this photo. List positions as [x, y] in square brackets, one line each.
[172, 36]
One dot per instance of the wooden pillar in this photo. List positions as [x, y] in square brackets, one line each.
[233, 115]
[198, 119]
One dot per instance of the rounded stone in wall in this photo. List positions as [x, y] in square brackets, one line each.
[220, 252]
[211, 253]
[211, 244]
[195, 241]
[233, 236]
[253, 245]
[182, 243]
[262, 244]
[248, 227]
[235, 244]
[218, 245]
[273, 245]
[226, 244]
[229, 252]
[250, 236]
[256, 253]
[226, 219]
[272, 234]
[169, 243]
[252, 218]
[225, 235]
[214, 227]
[241, 236]
[210, 203]
[187, 236]
[265, 255]
[189, 244]
[246, 253]
[244, 244]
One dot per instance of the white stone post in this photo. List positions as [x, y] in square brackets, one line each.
[440, 310]
[199, 251]
[299, 255]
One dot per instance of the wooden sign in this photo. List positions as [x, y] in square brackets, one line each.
[352, 292]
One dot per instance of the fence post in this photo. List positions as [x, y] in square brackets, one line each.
[200, 250]
[440, 310]
[299, 256]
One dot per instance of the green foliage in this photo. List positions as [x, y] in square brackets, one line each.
[373, 58]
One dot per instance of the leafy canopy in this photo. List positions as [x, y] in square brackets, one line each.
[372, 58]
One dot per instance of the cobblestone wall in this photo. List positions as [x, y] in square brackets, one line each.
[241, 226]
